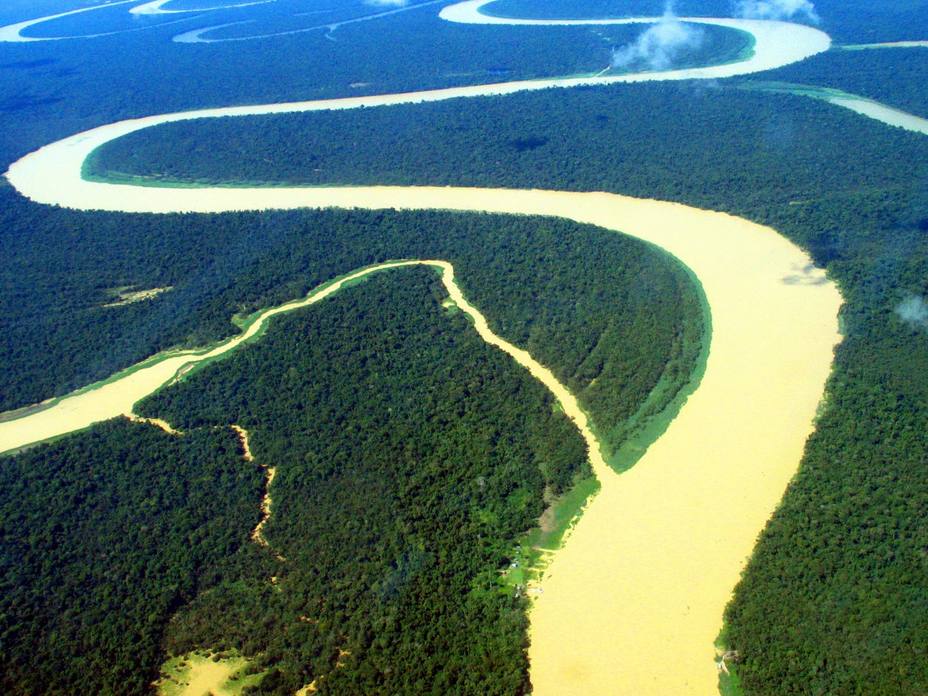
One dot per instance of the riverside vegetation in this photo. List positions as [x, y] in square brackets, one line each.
[833, 601]
[410, 456]
[44, 92]
[892, 76]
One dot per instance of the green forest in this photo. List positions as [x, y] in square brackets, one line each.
[103, 536]
[114, 551]
[835, 594]
[712, 145]
[410, 456]
[542, 283]
[53, 89]
[44, 94]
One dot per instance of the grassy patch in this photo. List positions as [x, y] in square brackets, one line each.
[529, 558]
[730, 684]
[197, 673]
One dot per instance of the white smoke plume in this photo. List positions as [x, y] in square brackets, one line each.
[659, 46]
[913, 310]
[777, 9]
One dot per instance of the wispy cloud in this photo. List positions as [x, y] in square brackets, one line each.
[777, 9]
[660, 46]
[387, 3]
[913, 310]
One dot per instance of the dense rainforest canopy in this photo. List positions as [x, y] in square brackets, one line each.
[409, 457]
[102, 537]
[543, 284]
[834, 599]
[44, 92]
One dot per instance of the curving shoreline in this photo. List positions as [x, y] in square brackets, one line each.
[854, 102]
[75, 411]
[776, 43]
[156, 7]
[650, 565]
[878, 112]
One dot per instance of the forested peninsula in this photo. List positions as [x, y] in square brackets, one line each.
[410, 455]
[543, 284]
